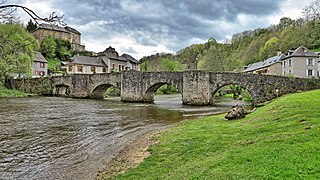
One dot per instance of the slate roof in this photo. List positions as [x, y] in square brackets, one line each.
[72, 30]
[86, 60]
[299, 52]
[66, 29]
[112, 54]
[262, 64]
[302, 52]
[52, 27]
[130, 58]
[38, 57]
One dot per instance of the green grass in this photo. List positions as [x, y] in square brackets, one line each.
[278, 141]
[4, 92]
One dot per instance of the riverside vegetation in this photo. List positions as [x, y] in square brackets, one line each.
[4, 92]
[279, 140]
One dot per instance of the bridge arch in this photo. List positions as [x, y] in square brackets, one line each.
[224, 84]
[99, 90]
[61, 90]
[149, 94]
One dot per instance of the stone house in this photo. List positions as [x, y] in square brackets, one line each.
[298, 63]
[40, 65]
[105, 62]
[132, 63]
[66, 33]
[86, 65]
[118, 63]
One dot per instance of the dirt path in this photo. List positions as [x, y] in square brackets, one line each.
[132, 155]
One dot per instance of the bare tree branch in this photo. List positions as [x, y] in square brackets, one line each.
[52, 19]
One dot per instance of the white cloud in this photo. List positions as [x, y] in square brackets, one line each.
[289, 8]
[42, 8]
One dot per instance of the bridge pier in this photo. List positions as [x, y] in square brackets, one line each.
[131, 87]
[196, 88]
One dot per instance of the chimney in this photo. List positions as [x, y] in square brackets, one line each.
[279, 53]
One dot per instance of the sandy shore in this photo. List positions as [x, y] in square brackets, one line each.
[132, 155]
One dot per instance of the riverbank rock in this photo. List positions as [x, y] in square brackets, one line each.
[237, 112]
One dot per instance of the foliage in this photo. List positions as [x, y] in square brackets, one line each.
[4, 92]
[55, 51]
[17, 49]
[167, 89]
[31, 26]
[269, 48]
[277, 141]
[48, 47]
[112, 92]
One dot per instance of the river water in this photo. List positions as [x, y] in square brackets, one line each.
[64, 138]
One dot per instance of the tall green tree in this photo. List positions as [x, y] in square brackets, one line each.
[270, 48]
[48, 47]
[16, 51]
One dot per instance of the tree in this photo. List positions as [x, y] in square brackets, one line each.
[270, 48]
[16, 51]
[16, 45]
[48, 47]
[285, 22]
[63, 49]
[216, 58]
[31, 26]
[312, 12]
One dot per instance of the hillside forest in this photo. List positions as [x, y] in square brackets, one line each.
[243, 48]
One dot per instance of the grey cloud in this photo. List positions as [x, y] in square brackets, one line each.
[168, 22]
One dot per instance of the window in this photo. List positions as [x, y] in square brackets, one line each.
[119, 67]
[310, 72]
[36, 72]
[42, 65]
[113, 66]
[310, 62]
[122, 67]
[104, 70]
[80, 68]
[70, 68]
[284, 63]
[93, 69]
[290, 71]
[290, 62]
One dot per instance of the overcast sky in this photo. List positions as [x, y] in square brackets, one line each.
[145, 27]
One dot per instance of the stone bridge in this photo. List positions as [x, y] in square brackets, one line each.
[196, 87]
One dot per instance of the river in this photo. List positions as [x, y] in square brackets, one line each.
[65, 138]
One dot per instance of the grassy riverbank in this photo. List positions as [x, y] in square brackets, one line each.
[280, 140]
[4, 92]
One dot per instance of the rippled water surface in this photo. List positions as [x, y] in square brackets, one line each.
[63, 138]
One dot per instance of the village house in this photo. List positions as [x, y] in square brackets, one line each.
[118, 63]
[105, 62]
[301, 63]
[66, 33]
[86, 65]
[298, 63]
[270, 66]
[40, 65]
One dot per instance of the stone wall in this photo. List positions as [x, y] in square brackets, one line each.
[41, 86]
